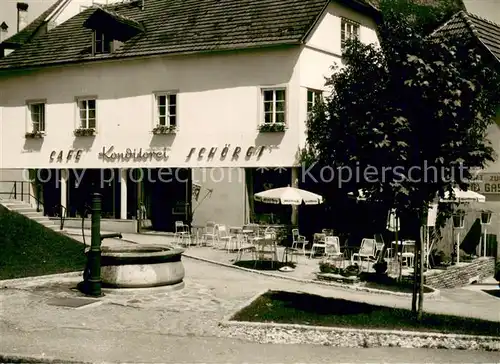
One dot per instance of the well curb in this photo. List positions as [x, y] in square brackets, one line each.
[431, 295]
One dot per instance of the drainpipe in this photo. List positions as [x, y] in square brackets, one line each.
[22, 12]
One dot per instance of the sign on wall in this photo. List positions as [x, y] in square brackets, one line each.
[487, 184]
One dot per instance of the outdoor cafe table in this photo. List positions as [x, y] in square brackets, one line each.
[407, 246]
[262, 243]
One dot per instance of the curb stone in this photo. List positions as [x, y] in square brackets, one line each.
[278, 333]
[6, 282]
[18, 358]
[431, 295]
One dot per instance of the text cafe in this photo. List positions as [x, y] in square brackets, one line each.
[161, 195]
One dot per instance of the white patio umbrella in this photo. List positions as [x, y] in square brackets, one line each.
[463, 196]
[288, 196]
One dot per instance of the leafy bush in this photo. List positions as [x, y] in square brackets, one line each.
[328, 267]
[438, 258]
[380, 267]
[352, 270]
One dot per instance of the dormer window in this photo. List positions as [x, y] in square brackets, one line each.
[102, 44]
[110, 30]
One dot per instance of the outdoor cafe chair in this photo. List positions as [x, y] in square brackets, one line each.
[319, 242]
[210, 233]
[182, 235]
[367, 250]
[332, 247]
[230, 241]
[299, 241]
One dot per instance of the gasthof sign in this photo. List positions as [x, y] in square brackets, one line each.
[487, 183]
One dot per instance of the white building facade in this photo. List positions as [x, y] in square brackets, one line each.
[204, 119]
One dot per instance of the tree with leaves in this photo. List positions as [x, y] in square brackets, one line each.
[413, 111]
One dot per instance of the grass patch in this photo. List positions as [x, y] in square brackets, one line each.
[262, 264]
[493, 292]
[307, 309]
[28, 249]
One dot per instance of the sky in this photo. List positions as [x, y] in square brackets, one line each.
[489, 9]
[8, 11]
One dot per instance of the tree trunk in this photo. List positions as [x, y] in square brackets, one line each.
[416, 270]
[421, 278]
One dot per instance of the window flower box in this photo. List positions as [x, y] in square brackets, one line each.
[164, 129]
[272, 128]
[34, 135]
[81, 132]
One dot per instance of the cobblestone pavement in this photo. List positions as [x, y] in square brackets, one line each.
[211, 293]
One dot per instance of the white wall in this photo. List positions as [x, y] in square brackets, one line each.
[219, 104]
[226, 185]
[323, 49]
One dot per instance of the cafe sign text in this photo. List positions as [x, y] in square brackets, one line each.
[61, 156]
[227, 152]
[133, 155]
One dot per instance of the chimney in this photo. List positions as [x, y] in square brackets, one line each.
[3, 31]
[22, 15]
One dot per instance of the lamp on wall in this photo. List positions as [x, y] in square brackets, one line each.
[458, 224]
[485, 221]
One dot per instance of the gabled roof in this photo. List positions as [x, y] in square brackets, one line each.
[27, 33]
[487, 32]
[180, 26]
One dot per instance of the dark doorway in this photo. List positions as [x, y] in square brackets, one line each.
[166, 197]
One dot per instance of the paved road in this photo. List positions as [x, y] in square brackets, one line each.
[182, 326]
[140, 347]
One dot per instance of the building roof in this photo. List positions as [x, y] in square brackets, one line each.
[179, 26]
[176, 27]
[27, 33]
[487, 32]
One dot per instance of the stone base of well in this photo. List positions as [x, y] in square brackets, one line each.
[141, 266]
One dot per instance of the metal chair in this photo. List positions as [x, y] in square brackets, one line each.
[182, 235]
[318, 243]
[299, 240]
[210, 233]
[332, 248]
[367, 250]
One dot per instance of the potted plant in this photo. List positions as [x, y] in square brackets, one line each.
[80, 132]
[497, 272]
[352, 270]
[328, 267]
[164, 129]
[35, 134]
[272, 128]
[380, 267]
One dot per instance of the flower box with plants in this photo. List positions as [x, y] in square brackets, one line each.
[164, 129]
[330, 272]
[34, 134]
[80, 132]
[272, 127]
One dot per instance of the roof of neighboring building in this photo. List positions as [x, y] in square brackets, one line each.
[179, 26]
[26, 34]
[487, 32]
